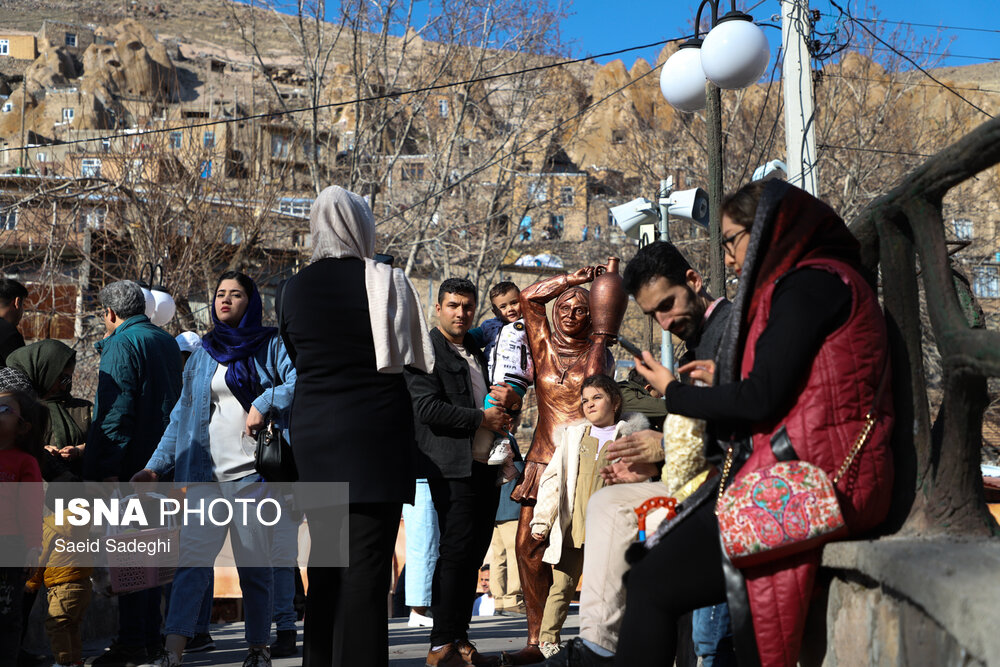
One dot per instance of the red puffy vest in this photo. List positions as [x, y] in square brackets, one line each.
[824, 424]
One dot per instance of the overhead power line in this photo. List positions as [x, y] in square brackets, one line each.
[930, 76]
[905, 83]
[360, 100]
[520, 147]
[919, 25]
[865, 149]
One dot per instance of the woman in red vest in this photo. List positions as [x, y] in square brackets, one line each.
[805, 351]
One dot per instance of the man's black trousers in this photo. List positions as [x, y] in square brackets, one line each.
[466, 510]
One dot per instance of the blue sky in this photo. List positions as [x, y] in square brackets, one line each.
[598, 26]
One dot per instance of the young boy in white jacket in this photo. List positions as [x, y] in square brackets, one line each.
[569, 480]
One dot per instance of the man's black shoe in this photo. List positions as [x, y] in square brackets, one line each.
[26, 659]
[284, 645]
[576, 653]
[120, 655]
[200, 642]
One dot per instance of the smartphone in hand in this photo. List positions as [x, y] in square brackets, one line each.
[630, 347]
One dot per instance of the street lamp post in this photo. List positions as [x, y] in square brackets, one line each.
[733, 55]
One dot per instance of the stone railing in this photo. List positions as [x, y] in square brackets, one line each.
[928, 592]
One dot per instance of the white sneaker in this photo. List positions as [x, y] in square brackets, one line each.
[500, 451]
[549, 649]
[419, 620]
[164, 659]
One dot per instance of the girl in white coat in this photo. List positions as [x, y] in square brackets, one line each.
[569, 480]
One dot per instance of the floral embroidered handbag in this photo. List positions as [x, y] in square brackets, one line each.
[784, 508]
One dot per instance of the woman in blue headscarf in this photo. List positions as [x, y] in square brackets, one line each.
[239, 379]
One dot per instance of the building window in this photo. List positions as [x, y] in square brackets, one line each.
[412, 171]
[92, 218]
[67, 114]
[618, 136]
[206, 169]
[280, 145]
[208, 139]
[986, 282]
[465, 150]
[557, 224]
[963, 229]
[443, 108]
[611, 219]
[40, 157]
[90, 167]
[296, 207]
[176, 140]
[566, 196]
[105, 145]
[4, 47]
[538, 191]
[8, 219]
[8, 107]
[70, 39]
[232, 235]
[524, 229]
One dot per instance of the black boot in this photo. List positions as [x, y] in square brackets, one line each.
[284, 645]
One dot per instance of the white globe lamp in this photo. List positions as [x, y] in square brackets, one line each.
[163, 309]
[682, 80]
[735, 53]
[150, 302]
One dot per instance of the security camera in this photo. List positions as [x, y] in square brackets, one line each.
[770, 170]
[691, 204]
[637, 212]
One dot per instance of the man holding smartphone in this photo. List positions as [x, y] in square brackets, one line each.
[669, 290]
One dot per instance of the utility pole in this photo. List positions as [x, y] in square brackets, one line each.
[24, 99]
[666, 338]
[800, 137]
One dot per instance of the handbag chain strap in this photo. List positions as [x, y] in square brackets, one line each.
[862, 439]
[726, 467]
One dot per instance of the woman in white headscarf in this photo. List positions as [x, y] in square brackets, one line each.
[350, 325]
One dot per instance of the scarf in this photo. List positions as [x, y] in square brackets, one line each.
[42, 363]
[790, 226]
[237, 345]
[342, 225]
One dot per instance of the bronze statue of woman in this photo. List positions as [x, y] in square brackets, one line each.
[564, 355]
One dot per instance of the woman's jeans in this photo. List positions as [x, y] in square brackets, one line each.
[422, 537]
[285, 549]
[251, 542]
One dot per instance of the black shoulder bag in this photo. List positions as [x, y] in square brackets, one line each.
[274, 460]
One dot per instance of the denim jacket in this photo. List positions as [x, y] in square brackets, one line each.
[184, 445]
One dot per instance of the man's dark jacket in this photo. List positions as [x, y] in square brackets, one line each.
[138, 384]
[445, 413]
[10, 340]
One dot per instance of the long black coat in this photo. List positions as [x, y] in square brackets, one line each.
[349, 422]
[447, 417]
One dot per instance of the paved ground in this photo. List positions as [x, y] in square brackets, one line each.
[407, 646]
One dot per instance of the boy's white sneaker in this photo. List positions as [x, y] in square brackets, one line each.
[500, 452]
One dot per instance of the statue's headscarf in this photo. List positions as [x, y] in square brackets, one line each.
[563, 343]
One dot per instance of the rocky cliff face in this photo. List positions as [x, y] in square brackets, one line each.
[130, 65]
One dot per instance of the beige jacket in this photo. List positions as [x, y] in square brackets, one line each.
[557, 488]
